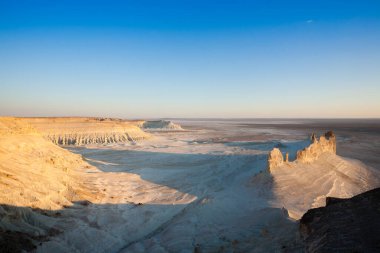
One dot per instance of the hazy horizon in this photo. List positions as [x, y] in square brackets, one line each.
[190, 59]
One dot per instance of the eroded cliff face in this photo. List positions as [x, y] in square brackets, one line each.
[326, 143]
[275, 158]
[83, 131]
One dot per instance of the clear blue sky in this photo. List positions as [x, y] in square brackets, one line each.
[139, 59]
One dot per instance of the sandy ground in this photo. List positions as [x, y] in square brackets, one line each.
[192, 196]
[202, 190]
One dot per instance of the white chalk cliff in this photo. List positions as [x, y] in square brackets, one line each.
[317, 173]
[83, 131]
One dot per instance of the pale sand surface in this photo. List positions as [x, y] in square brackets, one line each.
[203, 188]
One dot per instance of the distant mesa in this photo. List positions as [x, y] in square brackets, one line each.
[83, 131]
[78, 131]
[164, 125]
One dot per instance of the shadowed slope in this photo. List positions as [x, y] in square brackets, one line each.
[344, 225]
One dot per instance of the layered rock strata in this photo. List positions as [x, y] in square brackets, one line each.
[83, 131]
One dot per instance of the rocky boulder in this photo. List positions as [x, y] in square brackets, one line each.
[344, 225]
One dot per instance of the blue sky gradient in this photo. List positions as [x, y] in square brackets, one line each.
[139, 59]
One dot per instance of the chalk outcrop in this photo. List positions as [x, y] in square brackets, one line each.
[317, 173]
[275, 158]
[326, 143]
[83, 131]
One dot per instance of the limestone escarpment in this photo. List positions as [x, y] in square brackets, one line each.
[344, 225]
[90, 138]
[83, 131]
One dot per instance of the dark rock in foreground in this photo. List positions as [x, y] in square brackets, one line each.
[344, 225]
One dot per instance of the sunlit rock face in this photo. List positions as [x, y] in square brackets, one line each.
[37, 179]
[84, 131]
[275, 158]
[34, 171]
[326, 143]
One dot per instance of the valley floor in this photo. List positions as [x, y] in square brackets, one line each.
[188, 191]
[204, 189]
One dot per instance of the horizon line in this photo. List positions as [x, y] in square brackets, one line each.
[197, 118]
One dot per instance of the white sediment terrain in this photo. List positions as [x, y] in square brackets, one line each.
[316, 174]
[205, 190]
